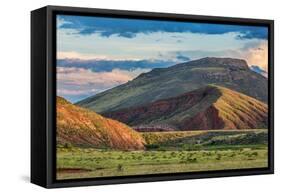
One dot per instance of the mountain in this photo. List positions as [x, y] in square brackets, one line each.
[210, 107]
[169, 82]
[257, 69]
[82, 127]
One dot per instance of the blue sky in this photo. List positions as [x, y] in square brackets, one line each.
[91, 49]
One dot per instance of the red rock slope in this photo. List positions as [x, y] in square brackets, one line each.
[82, 127]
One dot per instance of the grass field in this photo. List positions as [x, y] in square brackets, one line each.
[168, 152]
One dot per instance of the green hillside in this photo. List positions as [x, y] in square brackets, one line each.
[205, 140]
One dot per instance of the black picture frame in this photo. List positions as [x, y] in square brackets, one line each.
[43, 96]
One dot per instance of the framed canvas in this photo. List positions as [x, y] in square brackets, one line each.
[126, 96]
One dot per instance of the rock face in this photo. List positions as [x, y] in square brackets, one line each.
[162, 83]
[235, 64]
[210, 107]
[82, 127]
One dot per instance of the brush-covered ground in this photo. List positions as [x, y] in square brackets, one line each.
[168, 152]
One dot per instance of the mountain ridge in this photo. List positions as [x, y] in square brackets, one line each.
[215, 61]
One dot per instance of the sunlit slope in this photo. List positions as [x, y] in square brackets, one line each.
[82, 127]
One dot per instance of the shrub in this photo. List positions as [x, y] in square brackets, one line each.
[120, 158]
[120, 167]
[218, 157]
[67, 145]
[173, 154]
[152, 146]
[191, 160]
[255, 154]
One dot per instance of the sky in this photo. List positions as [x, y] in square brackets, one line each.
[97, 53]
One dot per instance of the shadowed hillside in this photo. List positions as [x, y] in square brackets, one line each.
[162, 83]
[210, 107]
[81, 127]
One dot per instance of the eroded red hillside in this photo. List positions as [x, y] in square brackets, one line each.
[82, 127]
[210, 107]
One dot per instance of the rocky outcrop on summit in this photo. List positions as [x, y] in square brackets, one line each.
[235, 64]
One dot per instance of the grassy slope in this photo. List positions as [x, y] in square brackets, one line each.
[81, 127]
[241, 111]
[198, 140]
[231, 110]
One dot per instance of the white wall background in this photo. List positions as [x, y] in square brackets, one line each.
[15, 95]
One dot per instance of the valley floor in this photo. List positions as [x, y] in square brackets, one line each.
[215, 151]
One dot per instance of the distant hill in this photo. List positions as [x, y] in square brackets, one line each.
[82, 127]
[161, 83]
[210, 107]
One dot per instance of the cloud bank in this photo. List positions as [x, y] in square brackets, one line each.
[128, 28]
[105, 65]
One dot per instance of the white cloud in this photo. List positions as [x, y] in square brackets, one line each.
[86, 76]
[76, 55]
[258, 55]
[73, 81]
[61, 22]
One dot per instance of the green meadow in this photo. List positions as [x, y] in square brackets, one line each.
[168, 152]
